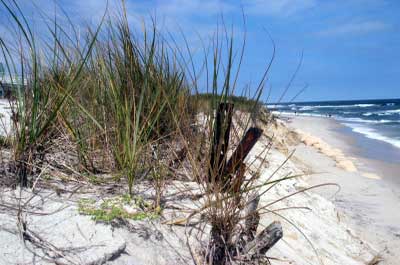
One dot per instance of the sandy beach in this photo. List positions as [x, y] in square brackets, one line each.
[369, 192]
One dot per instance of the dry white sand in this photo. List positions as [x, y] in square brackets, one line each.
[369, 200]
[4, 117]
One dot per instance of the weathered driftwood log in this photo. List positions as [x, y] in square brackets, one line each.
[234, 184]
[263, 241]
[218, 251]
[252, 217]
[251, 221]
[243, 149]
[234, 170]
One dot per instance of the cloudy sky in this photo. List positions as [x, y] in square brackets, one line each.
[351, 48]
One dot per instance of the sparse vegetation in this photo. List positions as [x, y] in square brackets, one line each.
[203, 101]
[5, 142]
[118, 207]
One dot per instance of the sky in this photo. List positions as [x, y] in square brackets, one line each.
[348, 49]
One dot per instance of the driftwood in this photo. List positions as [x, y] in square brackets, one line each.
[257, 245]
[235, 183]
[263, 241]
[243, 149]
[235, 168]
[221, 171]
[252, 217]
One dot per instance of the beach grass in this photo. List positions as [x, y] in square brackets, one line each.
[108, 94]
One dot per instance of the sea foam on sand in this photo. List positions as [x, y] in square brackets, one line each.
[336, 154]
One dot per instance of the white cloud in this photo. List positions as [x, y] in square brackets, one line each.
[358, 28]
[277, 7]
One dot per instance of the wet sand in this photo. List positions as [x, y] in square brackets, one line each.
[369, 180]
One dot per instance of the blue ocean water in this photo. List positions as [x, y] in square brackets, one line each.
[375, 119]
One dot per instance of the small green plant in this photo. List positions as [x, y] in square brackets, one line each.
[158, 177]
[118, 207]
[94, 179]
[126, 198]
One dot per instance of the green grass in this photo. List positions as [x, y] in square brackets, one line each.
[5, 142]
[114, 95]
[113, 208]
[38, 103]
[243, 103]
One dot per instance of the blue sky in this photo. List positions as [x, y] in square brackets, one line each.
[351, 48]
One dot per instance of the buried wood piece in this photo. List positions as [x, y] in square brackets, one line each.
[218, 252]
[243, 149]
[252, 217]
[264, 241]
[235, 184]
[251, 221]
[222, 128]
[236, 162]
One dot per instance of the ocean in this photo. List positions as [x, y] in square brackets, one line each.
[376, 119]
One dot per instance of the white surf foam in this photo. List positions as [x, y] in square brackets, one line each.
[364, 105]
[311, 107]
[373, 134]
[275, 106]
[297, 114]
[359, 120]
[382, 113]
[393, 111]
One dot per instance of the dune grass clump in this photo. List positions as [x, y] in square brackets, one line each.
[143, 86]
[111, 93]
[47, 82]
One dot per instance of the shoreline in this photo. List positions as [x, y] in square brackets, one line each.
[349, 127]
[368, 196]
